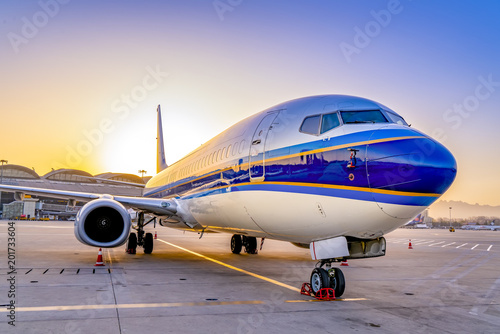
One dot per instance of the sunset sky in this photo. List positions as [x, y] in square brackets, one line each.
[80, 80]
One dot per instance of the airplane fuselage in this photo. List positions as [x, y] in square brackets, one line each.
[309, 169]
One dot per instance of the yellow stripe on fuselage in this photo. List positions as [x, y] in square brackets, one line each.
[319, 150]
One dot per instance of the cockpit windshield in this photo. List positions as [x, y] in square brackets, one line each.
[365, 116]
[396, 118]
[319, 124]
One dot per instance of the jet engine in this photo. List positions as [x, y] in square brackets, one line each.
[103, 223]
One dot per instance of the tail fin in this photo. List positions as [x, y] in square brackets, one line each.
[161, 164]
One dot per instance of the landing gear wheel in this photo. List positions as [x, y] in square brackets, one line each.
[337, 281]
[319, 279]
[148, 243]
[132, 243]
[236, 244]
[251, 245]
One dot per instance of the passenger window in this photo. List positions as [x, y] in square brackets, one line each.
[228, 151]
[242, 146]
[329, 122]
[311, 125]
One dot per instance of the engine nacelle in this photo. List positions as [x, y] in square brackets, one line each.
[103, 223]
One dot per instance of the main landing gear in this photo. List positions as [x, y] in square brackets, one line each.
[328, 278]
[140, 238]
[240, 241]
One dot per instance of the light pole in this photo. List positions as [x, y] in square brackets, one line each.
[142, 171]
[450, 216]
[1, 181]
[1, 175]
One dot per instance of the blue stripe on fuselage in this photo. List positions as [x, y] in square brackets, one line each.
[317, 162]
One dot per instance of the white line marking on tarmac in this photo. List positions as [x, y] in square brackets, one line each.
[461, 245]
[474, 246]
[449, 244]
[424, 242]
[436, 243]
[489, 248]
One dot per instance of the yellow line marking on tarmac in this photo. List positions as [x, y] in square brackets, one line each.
[126, 306]
[47, 226]
[317, 300]
[270, 280]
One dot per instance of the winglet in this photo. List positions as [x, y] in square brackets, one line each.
[161, 164]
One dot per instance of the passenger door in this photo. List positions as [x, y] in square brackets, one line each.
[258, 147]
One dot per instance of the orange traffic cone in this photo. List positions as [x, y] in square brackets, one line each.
[344, 263]
[409, 245]
[156, 236]
[99, 262]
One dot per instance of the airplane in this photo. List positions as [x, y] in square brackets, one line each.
[332, 173]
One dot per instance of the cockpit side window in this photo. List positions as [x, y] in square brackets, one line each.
[365, 116]
[329, 122]
[310, 125]
[396, 118]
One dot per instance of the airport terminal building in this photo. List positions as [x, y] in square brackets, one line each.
[39, 207]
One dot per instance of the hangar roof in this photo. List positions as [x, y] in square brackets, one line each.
[19, 172]
[121, 177]
[70, 175]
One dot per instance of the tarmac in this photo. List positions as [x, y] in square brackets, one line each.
[448, 283]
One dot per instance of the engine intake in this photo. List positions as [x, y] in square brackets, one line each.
[103, 223]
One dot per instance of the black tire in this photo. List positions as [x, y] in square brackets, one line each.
[148, 243]
[132, 243]
[337, 282]
[319, 280]
[236, 244]
[251, 245]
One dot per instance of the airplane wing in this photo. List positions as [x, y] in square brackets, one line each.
[160, 207]
[104, 221]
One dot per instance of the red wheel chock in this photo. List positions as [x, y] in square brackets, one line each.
[326, 294]
[323, 294]
[306, 290]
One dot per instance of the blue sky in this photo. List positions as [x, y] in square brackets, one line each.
[67, 82]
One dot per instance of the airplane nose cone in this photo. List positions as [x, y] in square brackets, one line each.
[413, 171]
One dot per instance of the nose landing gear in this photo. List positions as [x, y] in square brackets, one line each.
[328, 278]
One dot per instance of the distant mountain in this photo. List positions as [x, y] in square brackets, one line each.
[462, 210]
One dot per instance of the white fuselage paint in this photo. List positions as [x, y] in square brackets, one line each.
[288, 216]
[294, 217]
